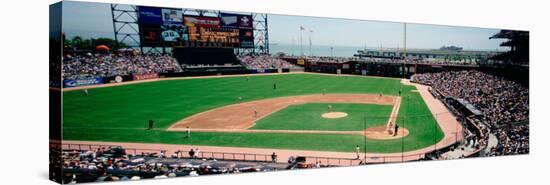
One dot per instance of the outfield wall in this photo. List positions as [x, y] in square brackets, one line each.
[188, 72]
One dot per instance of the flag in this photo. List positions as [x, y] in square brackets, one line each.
[302, 28]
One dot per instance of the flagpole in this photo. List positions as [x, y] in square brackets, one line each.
[310, 31]
[301, 43]
[292, 49]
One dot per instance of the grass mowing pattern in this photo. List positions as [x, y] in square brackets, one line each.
[120, 113]
[308, 117]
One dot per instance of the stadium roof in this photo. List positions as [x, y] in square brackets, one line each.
[506, 34]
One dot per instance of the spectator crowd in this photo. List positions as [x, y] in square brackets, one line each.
[503, 103]
[513, 139]
[329, 59]
[104, 65]
[265, 62]
[114, 164]
[427, 61]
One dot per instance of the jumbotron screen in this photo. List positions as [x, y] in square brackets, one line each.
[169, 27]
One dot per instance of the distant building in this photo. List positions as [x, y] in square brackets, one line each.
[451, 48]
[444, 53]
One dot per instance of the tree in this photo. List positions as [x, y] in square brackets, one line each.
[79, 43]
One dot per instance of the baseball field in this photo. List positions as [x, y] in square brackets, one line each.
[259, 111]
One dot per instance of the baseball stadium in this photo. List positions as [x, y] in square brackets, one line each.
[200, 92]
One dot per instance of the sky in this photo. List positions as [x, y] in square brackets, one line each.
[94, 20]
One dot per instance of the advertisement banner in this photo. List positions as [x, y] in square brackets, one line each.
[174, 33]
[197, 21]
[150, 35]
[246, 38]
[82, 82]
[149, 15]
[236, 20]
[145, 76]
[301, 61]
[229, 20]
[172, 17]
[245, 21]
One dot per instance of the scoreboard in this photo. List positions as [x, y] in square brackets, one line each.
[169, 27]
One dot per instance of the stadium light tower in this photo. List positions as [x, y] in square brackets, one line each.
[261, 33]
[125, 25]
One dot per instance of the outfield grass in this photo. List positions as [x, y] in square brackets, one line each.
[120, 113]
[308, 117]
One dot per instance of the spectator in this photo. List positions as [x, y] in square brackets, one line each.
[75, 67]
[265, 62]
[274, 157]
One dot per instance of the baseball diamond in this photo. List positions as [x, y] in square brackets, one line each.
[120, 113]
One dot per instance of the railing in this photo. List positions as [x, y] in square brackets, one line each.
[235, 156]
[331, 161]
[251, 157]
[180, 154]
[93, 147]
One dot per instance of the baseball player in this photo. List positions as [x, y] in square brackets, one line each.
[396, 128]
[357, 150]
[188, 132]
[329, 108]
[85, 91]
[390, 128]
[151, 124]
[274, 86]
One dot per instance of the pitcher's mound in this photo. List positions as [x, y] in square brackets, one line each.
[379, 132]
[333, 115]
